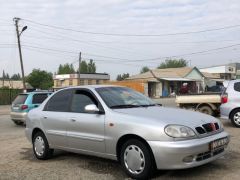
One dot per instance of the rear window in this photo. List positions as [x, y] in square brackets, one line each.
[237, 86]
[39, 98]
[20, 99]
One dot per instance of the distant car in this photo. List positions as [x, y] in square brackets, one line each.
[230, 108]
[23, 103]
[121, 124]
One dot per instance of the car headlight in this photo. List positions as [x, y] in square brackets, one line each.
[179, 131]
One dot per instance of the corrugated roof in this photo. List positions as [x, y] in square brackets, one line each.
[163, 73]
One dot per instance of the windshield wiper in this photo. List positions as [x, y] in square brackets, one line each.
[148, 105]
[124, 106]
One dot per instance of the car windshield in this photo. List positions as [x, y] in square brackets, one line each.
[20, 99]
[121, 97]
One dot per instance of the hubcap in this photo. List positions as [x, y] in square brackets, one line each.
[134, 159]
[236, 118]
[39, 146]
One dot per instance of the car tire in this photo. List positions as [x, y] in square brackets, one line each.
[136, 159]
[206, 110]
[41, 147]
[235, 118]
[18, 123]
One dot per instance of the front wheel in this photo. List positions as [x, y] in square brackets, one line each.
[40, 147]
[235, 118]
[136, 159]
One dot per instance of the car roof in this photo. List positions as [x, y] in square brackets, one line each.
[92, 86]
[37, 92]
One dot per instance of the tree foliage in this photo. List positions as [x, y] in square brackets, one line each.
[144, 69]
[40, 79]
[173, 63]
[16, 77]
[91, 67]
[84, 67]
[123, 76]
[66, 69]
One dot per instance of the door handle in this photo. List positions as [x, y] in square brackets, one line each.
[45, 117]
[73, 120]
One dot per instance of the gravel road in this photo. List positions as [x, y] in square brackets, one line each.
[17, 160]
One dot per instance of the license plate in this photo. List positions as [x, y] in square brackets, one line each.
[15, 108]
[218, 143]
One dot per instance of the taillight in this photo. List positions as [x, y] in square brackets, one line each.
[224, 99]
[23, 107]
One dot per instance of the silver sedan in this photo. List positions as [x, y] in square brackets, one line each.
[121, 124]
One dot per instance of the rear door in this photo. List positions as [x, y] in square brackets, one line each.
[54, 117]
[37, 99]
[235, 99]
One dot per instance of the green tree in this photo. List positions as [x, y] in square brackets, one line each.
[66, 69]
[40, 79]
[91, 67]
[84, 67]
[16, 77]
[144, 69]
[173, 63]
[123, 76]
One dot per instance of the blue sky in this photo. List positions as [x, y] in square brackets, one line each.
[120, 17]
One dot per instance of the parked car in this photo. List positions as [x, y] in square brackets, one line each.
[121, 124]
[230, 108]
[23, 103]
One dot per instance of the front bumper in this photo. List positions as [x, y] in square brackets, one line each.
[170, 155]
[19, 116]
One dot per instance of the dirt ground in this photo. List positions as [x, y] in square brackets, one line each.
[17, 160]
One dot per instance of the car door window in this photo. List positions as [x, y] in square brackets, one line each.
[81, 99]
[39, 98]
[237, 86]
[60, 101]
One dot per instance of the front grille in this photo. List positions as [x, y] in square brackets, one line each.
[207, 128]
[208, 154]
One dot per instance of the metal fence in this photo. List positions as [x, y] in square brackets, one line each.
[8, 95]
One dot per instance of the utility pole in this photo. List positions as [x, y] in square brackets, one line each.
[19, 49]
[79, 68]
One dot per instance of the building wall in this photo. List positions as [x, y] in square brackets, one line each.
[59, 83]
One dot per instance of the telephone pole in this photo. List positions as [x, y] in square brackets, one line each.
[16, 20]
[79, 68]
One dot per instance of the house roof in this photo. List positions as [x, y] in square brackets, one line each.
[162, 73]
[211, 75]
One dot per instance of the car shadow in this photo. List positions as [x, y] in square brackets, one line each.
[105, 166]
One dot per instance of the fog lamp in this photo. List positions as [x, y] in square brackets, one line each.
[188, 159]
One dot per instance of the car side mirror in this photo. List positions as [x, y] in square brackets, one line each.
[91, 108]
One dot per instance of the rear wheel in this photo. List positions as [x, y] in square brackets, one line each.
[18, 123]
[206, 110]
[41, 147]
[235, 118]
[136, 159]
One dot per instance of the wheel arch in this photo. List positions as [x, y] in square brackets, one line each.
[127, 137]
[230, 114]
[36, 130]
[212, 106]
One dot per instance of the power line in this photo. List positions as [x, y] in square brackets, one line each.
[126, 42]
[134, 60]
[138, 35]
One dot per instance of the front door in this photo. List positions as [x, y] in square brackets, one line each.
[86, 130]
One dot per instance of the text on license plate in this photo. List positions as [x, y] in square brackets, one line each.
[218, 143]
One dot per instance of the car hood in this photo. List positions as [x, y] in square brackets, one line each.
[168, 115]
